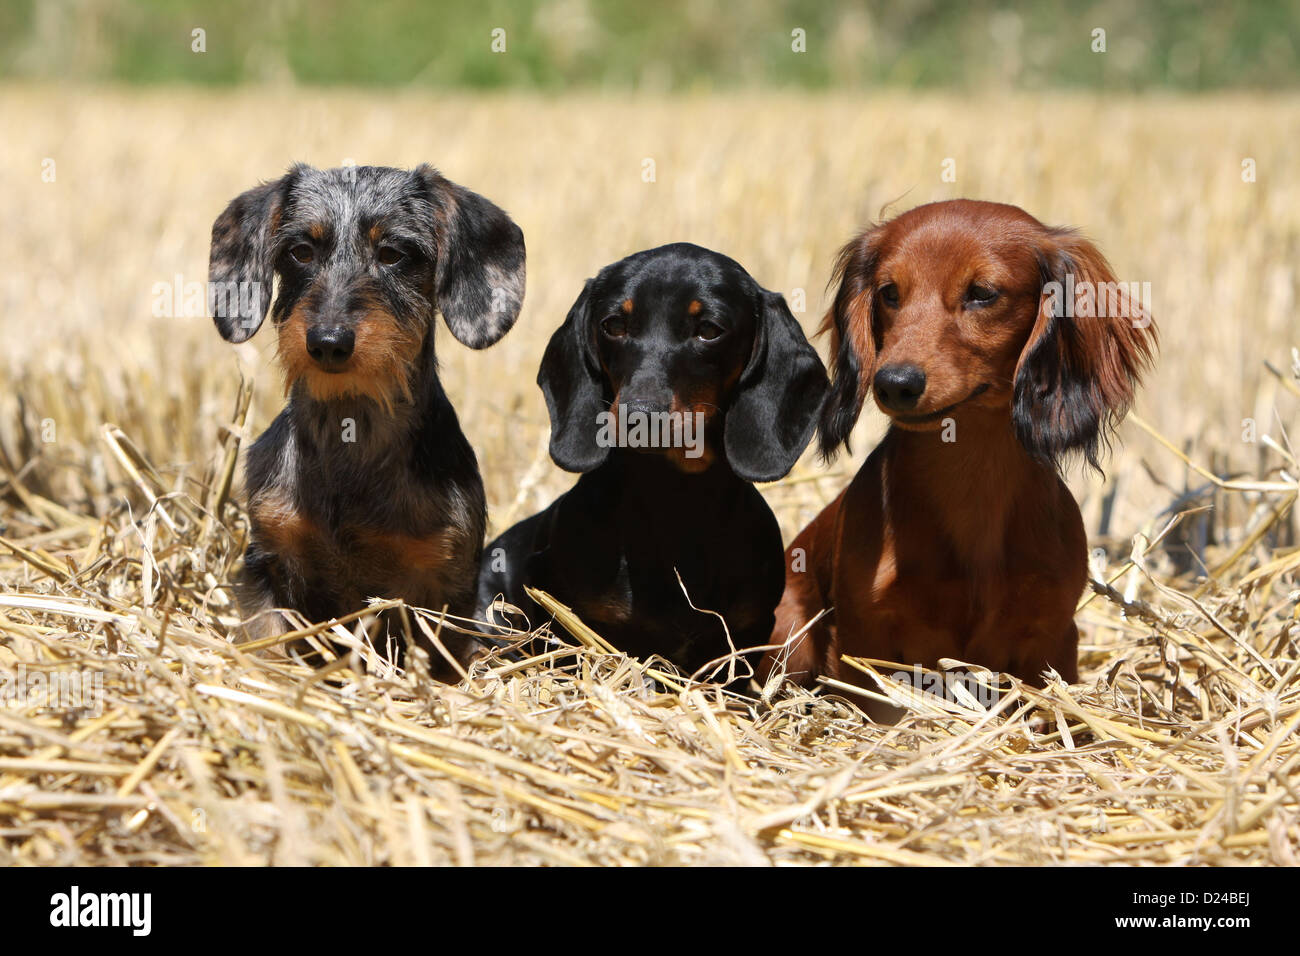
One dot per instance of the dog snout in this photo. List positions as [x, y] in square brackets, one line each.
[646, 394]
[330, 346]
[899, 387]
[645, 406]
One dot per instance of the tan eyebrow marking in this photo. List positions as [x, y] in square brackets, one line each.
[627, 306]
[695, 308]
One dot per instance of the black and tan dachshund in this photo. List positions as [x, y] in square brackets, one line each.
[675, 381]
[364, 485]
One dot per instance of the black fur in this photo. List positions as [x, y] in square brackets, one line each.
[854, 274]
[573, 386]
[610, 546]
[774, 410]
[1054, 409]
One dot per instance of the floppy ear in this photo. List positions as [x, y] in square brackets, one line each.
[853, 342]
[480, 262]
[241, 265]
[774, 409]
[574, 388]
[1089, 346]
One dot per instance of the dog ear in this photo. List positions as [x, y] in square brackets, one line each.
[853, 342]
[1090, 344]
[774, 408]
[480, 262]
[241, 265]
[574, 388]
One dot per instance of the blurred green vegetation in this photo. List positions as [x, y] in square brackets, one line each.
[668, 45]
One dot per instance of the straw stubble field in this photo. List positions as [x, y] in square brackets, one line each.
[119, 427]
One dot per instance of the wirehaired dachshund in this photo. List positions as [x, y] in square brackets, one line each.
[674, 382]
[364, 485]
[996, 346]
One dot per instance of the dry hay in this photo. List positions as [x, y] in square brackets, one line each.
[1180, 747]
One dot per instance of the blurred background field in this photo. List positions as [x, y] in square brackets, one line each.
[680, 45]
[1173, 151]
[777, 181]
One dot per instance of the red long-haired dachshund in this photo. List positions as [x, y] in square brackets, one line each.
[997, 346]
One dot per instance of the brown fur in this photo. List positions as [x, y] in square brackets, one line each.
[284, 527]
[379, 369]
[970, 549]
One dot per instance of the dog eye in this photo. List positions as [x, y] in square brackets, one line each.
[390, 255]
[615, 326]
[303, 252]
[980, 294]
[889, 295]
[708, 331]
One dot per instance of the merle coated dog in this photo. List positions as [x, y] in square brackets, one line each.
[674, 382]
[364, 485]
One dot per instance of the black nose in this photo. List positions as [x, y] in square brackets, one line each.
[645, 406]
[646, 391]
[330, 346]
[899, 387]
